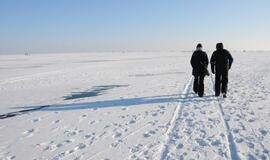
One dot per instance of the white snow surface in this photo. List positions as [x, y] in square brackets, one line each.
[137, 105]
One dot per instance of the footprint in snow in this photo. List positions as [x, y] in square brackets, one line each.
[149, 134]
[202, 112]
[11, 157]
[154, 114]
[56, 121]
[84, 115]
[216, 142]
[117, 135]
[162, 112]
[236, 130]
[180, 146]
[87, 136]
[201, 142]
[80, 146]
[52, 146]
[153, 122]
[92, 122]
[146, 113]
[162, 107]
[136, 148]
[251, 145]
[66, 153]
[29, 133]
[185, 114]
[36, 120]
[252, 120]
[239, 140]
[132, 121]
[103, 134]
[116, 143]
[263, 131]
[70, 133]
[69, 141]
[54, 129]
[122, 117]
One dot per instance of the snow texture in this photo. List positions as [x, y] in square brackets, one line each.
[131, 106]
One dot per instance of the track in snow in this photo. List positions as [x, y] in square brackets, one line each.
[198, 128]
[229, 136]
[176, 115]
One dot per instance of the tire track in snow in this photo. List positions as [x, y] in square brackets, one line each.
[176, 115]
[229, 137]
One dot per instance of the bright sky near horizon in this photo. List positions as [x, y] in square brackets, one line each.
[132, 25]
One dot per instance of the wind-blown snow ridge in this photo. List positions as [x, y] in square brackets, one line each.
[176, 115]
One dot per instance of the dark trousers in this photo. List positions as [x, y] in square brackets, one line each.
[221, 82]
[198, 86]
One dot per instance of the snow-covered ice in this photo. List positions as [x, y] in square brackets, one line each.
[136, 105]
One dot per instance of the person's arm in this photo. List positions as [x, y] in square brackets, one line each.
[205, 63]
[206, 60]
[192, 60]
[213, 62]
[230, 60]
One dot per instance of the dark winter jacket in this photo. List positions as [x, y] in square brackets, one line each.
[199, 62]
[221, 60]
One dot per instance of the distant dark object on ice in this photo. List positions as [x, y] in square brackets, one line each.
[95, 91]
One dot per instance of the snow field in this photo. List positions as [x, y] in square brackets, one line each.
[131, 106]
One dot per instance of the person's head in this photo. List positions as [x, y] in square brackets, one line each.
[199, 46]
[219, 46]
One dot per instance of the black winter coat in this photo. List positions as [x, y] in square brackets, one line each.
[221, 60]
[199, 62]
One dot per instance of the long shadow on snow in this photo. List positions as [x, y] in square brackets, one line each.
[190, 98]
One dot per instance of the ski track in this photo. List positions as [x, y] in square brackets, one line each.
[196, 130]
[229, 136]
[241, 140]
[176, 115]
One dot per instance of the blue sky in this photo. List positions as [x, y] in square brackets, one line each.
[116, 25]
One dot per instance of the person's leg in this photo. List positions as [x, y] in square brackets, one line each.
[224, 82]
[201, 86]
[195, 84]
[217, 83]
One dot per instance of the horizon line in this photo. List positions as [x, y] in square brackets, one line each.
[129, 51]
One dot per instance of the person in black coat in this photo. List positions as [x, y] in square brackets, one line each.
[221, 62]
[199, 62]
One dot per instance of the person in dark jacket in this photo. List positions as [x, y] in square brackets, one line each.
[199, 62]
[221, 62]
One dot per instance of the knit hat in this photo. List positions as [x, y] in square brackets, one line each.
[199, 45]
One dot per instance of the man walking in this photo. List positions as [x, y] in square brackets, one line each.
[199, 62]
[221, 62]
